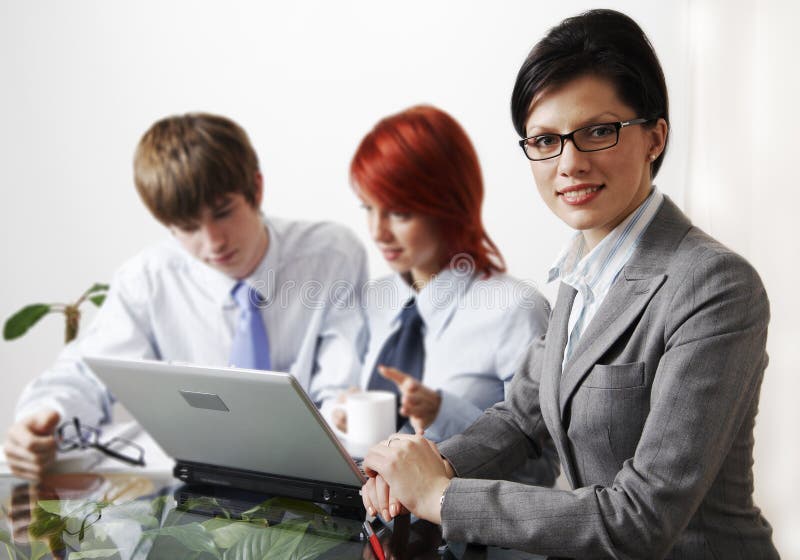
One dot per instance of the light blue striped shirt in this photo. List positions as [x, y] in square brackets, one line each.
[593, 274]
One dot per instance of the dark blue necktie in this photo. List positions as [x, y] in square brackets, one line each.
[250, 347]
[403, 350]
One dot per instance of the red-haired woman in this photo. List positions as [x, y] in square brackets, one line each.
[447, 330]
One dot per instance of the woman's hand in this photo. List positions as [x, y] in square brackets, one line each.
[378, 500]
[418, 402]
[339, 416]
[406, 472]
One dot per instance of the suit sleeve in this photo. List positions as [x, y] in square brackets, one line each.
[705, 385]
[507, 343]
[507, 434]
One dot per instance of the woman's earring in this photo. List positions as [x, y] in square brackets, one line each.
[652, 157]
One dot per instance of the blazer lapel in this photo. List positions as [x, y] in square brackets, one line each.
[624, 303]
[638, 281]
[555, 344]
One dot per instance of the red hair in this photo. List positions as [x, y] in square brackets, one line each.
[421, 161]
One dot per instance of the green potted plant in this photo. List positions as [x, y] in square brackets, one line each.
[19, 323]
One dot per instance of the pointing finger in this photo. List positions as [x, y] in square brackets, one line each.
[394, 375]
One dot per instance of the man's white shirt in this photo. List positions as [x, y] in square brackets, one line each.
[166, 305]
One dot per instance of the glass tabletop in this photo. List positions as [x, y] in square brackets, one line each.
[126, 516]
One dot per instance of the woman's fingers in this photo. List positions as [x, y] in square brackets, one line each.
[395, 507]
[379, 463]
[382, 493]
[394, 375]
[417, 402]
[339, 419]
[405, 383]
[375, 495]
[375, 459]
[368, 496]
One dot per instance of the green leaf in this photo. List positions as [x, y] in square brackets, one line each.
[205, 504]
[215, 523]
[233, 532]
[97, 288]
[10, 551]
[39, 550]
[98, 300]
[19, 323]
[275, 509]
[7, 541]
[62, 508]
[114, 531]
[295, 506]
[140, 512]
[157, 506]
[280, 542]
[311, 545]
[45, 524]
[314, 546]
[192, 536]
[267, 544]
[97, 553]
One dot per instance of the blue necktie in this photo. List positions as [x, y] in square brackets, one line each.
[403, 350]
[250, 348]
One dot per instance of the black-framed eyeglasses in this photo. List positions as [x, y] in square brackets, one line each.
[74, 435]
[94, 514]
[592, 138]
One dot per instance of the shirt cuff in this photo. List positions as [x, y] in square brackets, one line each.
[29, 409]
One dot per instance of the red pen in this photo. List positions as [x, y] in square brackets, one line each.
[373, 541]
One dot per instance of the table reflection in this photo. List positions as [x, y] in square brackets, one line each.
[127, 516]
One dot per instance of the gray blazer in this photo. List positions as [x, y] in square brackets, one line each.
[652, 417]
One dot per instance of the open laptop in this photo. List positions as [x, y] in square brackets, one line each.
[250, 429]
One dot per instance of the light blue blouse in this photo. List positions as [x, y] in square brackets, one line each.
[476, 333]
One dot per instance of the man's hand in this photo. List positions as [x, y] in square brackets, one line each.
[31, 444]
[408, 473]
[418, 402]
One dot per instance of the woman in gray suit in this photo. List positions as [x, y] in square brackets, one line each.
[649, 375]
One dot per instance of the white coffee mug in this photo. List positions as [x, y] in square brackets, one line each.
[371, 417]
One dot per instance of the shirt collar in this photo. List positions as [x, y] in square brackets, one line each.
[438, 300]
[262, 278]
[583, 270]
[568, 258]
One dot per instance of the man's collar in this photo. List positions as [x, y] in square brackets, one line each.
[263, 278]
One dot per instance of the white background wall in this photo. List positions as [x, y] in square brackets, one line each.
[80, 81]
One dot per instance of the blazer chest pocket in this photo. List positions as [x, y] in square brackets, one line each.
[608, 412]
[616, 376]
